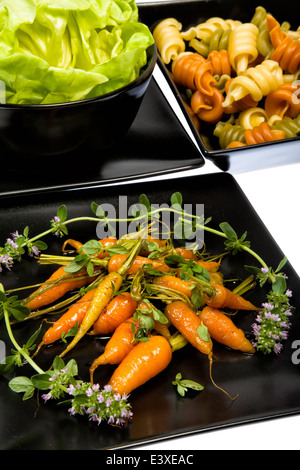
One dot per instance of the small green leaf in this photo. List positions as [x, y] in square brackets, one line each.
[203, 332]
[62, 213]
[143, 200]
[279, 286]
[42, 381]
[228, 230]
[22, 385]
[176, 200]
[58, 363]
[281, 264]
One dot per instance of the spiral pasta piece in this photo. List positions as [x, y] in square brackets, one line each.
[252, 117]
[192, 71]
[244, 103]
[263, 133]
[264, 44]
[220, 61]
[168, 39]
[286, 50]
[206, 28]
[290, 126]
[218, 40]
[257, 82]
[242, 47]
[208, 108]
[283, 101]
[227, 132]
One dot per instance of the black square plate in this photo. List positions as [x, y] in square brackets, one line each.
[268, 386]
[192, 12]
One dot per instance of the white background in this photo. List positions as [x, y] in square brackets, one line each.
[275, 195]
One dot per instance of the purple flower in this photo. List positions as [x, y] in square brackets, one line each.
[89, 392]
[46, 397]
[108, 402]
[265, 270]
[289, 293]
[71, 389]
[277, 348]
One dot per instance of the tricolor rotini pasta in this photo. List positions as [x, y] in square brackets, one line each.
[240, 79]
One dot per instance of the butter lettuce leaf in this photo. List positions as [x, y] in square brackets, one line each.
[65, 50]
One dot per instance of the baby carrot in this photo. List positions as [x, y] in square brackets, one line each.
[192, 329]
[121, 307]
[225, 298]
[145, 361]
[139, 261]
[58, 284]
[118, 346]
[103, 294]
[68, 320]
[101, 298]
[175, 283]
[187, 322]
[222, 329]
[185, 253]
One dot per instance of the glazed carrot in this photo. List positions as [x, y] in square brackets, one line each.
[65, 283]
[68, 320]
[145, 361]
[222, 329]
[119, 345]
[185, 253]
[103, 294]
[139, 261]
[212, 266]
[187, 322]
[119, 309]
[175, 283]
[225, 298]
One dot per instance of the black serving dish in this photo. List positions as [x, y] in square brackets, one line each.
[268, 386]
[155, 144]
[192, 12]
[57, 129]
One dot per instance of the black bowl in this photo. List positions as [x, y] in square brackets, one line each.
[54, 129]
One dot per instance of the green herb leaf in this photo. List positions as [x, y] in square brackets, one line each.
[22, 385]
[184, 385]
[203, 332]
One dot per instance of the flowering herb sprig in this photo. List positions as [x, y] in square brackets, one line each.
[60, 381]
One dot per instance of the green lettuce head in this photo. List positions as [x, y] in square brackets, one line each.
[66, 50]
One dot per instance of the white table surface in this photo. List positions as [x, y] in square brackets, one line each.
[275, 195]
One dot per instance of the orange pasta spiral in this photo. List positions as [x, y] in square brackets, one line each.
[262, 133]
[208, 108]
[192, 71]
[286, 50]
[281, 102]
[220, 62]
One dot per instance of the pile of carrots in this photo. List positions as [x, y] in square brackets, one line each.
[121, 300]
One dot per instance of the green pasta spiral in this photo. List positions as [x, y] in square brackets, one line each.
[290, 126]
[216, 42]
[264, 44]
[228, 132]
